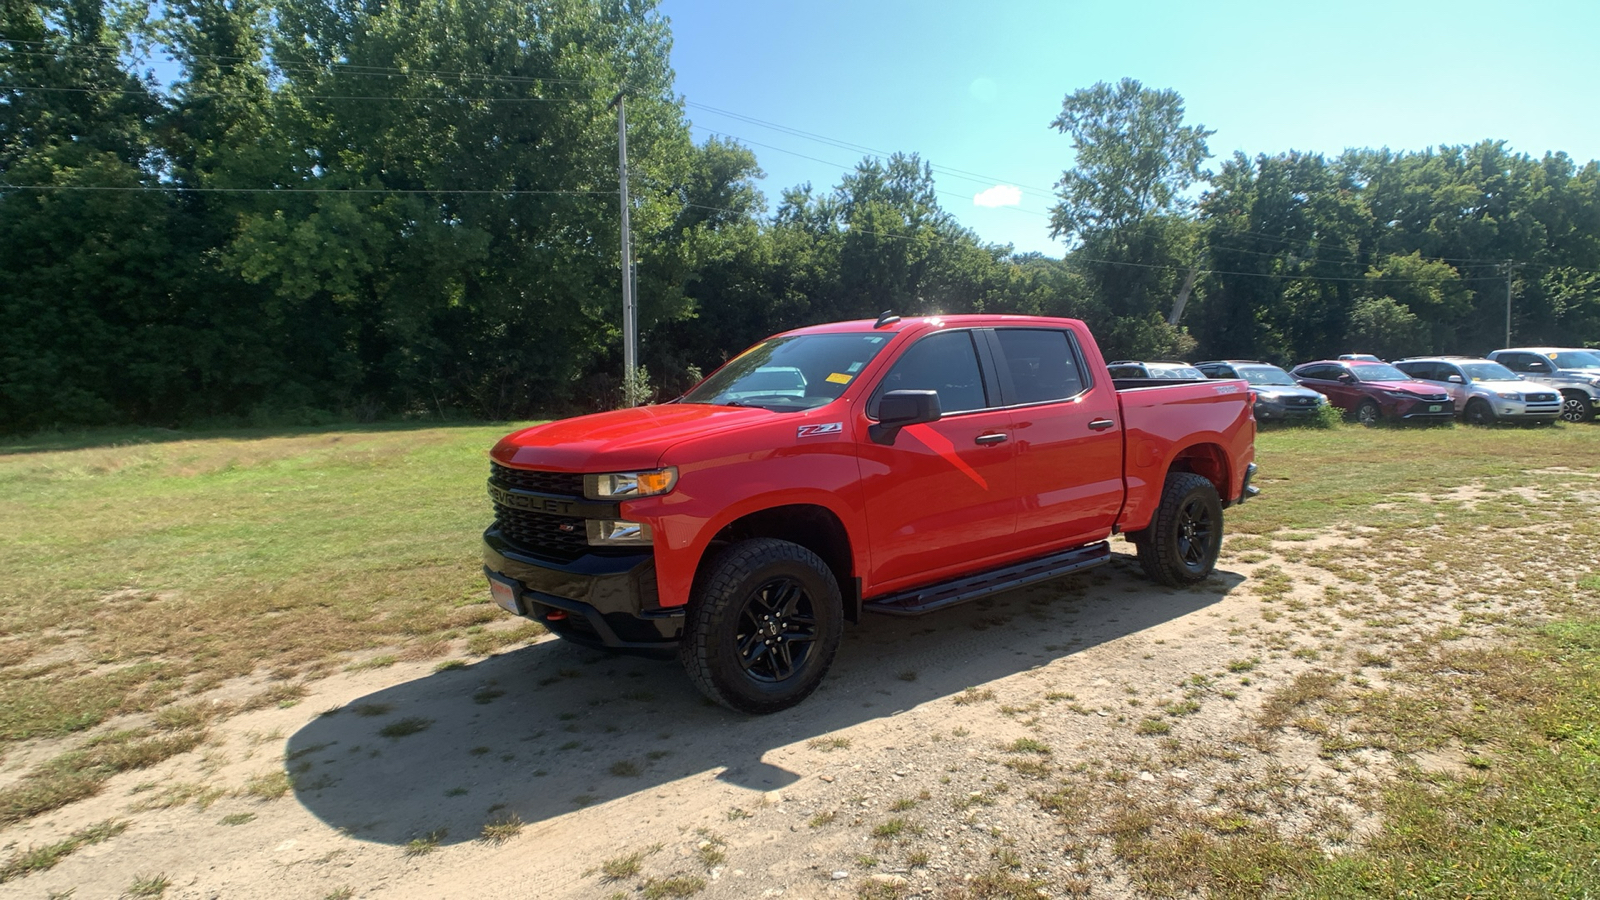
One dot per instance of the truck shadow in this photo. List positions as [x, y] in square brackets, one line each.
[545, 730]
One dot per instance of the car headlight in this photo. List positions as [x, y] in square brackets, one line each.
[1403, 395]
[628, 485]
[1508, 395]
[618, 533]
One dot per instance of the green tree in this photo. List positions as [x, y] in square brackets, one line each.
[1123, 204]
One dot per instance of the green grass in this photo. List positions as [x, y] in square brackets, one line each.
[146, 571]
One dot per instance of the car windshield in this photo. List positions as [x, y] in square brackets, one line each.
[1489, 371]
[1575, 359]
[1264, 375]
[1170, 370]
[1382, 372]
[787, 374]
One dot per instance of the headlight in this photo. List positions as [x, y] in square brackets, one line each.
[628, 485]
[1403, 395]
[618, 533]
[1508, 395]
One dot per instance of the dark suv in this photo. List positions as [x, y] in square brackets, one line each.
[1373, 392]
[1278, 397]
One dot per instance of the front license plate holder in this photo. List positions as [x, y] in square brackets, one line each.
[507, 594]
[1436, 407]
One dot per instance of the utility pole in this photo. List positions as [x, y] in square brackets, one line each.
[1508, 303]
[629, 336]
[1183, 296]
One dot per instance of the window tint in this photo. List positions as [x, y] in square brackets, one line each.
[947, 363]
[1042, 364]
[1423, 370]
[1218, 372]
[1127, 371]
[1321, 373]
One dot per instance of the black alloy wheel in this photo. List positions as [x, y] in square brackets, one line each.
[1195, 527]
[1181, 545]
[1479, 412]
[763, 625]
[777, 630]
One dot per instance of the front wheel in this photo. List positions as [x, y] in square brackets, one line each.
[1368, 413]
[1575, 407]
[1479, 413]
[1180, 547]
[763, 626]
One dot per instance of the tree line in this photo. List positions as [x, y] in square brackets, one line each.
[341, 209]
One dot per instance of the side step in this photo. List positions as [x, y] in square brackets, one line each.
[938, 596]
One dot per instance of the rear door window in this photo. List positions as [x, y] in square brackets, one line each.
[1042, 363]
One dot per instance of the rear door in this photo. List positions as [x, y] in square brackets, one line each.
[1068, 437]
[943, 497]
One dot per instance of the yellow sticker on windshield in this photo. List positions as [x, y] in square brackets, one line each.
[839, 378]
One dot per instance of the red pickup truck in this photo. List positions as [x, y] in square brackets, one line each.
[891, 466]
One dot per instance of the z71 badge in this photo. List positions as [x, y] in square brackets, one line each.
[814, 430]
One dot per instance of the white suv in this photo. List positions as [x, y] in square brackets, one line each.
[1575, 373]
[1486, 392]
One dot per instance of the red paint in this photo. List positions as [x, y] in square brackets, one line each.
[933, 505]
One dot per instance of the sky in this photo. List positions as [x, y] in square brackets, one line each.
[813, 87]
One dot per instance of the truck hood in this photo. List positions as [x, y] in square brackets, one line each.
[618, 441]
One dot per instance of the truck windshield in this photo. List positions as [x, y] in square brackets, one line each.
[788, 374]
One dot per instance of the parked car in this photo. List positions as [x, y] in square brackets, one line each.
[930, 462]
[1373, 392]
[1575, 373]
[1278, 397]
[1171, 371]
[1484, 391]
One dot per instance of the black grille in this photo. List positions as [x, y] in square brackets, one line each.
[1302, 401]
[561, 538]
[569, 484]
[1541, 398]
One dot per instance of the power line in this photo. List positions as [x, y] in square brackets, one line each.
[292, 190]
[297, 96]
[842, 166]
[861, 148]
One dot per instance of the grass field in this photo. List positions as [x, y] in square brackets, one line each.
[142, 571]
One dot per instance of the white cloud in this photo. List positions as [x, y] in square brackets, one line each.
[999, 195]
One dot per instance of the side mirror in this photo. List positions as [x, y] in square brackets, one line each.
[897, 409]
[1456, 379]
[1347, 378]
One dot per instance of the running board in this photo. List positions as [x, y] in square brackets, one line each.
[938, 596]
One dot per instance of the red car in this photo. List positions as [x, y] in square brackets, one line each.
[896, 467]
[1372, 392]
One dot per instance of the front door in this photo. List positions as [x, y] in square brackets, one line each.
[942, 497]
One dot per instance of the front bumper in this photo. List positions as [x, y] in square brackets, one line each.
[598, 601]
[1279, 411]
[1426, 410]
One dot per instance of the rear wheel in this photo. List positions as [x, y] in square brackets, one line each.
[763, 626]
[1368, 413]
[1576, 407]
[1180, 547]
[1479, 412]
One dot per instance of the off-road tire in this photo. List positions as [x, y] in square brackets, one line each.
[1479, 412]
[741, 655]
[1180, 547]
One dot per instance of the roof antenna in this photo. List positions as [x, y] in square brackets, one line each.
[887, 317]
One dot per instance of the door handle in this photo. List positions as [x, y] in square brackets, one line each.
[998, 437]
[1101, 424]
